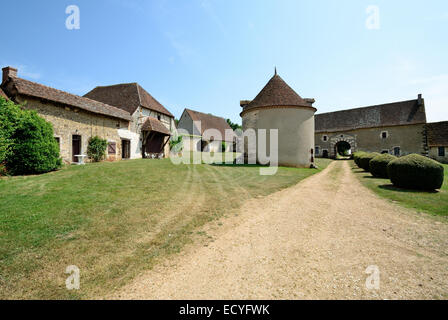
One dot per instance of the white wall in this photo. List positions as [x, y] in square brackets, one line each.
[135, 142]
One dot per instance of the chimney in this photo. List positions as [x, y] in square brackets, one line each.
[7, 73]
[310, 100]
[420, 99]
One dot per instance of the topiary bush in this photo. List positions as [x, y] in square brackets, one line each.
[357, 156]
[378, 165]
[416, 172]
[96, 149]
[364, 160]
[34, 149]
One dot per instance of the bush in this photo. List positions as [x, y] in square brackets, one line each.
[357, 156]
[33, 148]
[378, 165]
[96, 149]
[416, 172]
[364, 160]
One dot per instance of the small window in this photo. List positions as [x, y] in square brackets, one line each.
[58, 141]
[325, 138]
[384, 135]
[317, 150]
[384, 151]
[159, 117]
[441, 151]
[112, 148]
[397, 151]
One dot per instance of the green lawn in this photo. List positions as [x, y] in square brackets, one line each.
[435, 202]
[114, 220]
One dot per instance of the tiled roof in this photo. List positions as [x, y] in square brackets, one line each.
[277, 93]
[385, 115]
[153, 124]
[32, 89]
[2, 94]
[128, 96]
[437, 134]
[209, 121]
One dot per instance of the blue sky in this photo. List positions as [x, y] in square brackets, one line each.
[209, 54]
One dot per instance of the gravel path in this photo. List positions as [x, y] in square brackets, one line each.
[311, 241]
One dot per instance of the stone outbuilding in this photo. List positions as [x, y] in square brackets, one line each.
[278, 106]
[152, 124]
[396, 128]
[75, 119]
[198, 136]
[437, 137]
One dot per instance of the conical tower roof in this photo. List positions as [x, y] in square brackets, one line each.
[277, 93]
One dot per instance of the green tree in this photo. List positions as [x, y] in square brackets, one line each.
[234, 126]
[96, 149]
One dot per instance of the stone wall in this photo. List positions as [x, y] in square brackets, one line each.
[434, 154]
[69, 121]
[409, 138]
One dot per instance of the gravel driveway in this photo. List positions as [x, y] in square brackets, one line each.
[314, 240]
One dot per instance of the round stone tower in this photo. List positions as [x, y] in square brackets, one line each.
[278, 106]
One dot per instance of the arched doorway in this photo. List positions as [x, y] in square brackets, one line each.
[203, 146]
[343, 149]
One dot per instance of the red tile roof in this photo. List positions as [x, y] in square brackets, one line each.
[153, 124]
[385, 115]
[36, 90]
[277, 93]
[128, 96]
[437, 134]
[209, 121]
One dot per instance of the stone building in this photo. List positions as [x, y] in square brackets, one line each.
[75, 119]
[278, 106]
[437, 140]
[152, 124]
[199, 128]
[397, 128]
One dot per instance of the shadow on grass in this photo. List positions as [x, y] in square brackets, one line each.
[391, 187]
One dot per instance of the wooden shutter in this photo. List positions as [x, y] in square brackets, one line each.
[112, 148]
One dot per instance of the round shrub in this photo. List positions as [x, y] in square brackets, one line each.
[364, 160]
[416, 172]
[34, 149]
[378, 165]
[357, 156]
[96, 149]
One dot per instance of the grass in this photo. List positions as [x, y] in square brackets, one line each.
[114, 220]
[432, 202]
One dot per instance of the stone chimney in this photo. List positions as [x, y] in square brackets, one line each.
[8, 72]
[420, 99]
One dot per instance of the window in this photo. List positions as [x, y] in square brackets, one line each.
[159, 117]
[317, 150]
[325, 138]
[441, 151]
[384, 135]
[384, 151]
[397, 151]
[112, 148]
[58, 141]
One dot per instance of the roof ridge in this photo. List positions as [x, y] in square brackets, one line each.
[207, 114]
[372, 106]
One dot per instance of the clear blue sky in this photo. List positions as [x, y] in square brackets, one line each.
[209, 54]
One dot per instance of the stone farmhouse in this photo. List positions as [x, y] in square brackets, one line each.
[199, 129]
[134, 123]
[151, 125]
[75, 119]
[397, 128]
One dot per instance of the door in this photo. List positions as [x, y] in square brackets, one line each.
[125, 149]
[325, 154]
[76, 147]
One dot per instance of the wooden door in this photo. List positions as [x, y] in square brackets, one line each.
[76, 147]
[125, 149]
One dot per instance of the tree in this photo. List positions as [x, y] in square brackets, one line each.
[96, 149]
[234, 126]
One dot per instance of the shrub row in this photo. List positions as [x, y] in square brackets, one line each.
[412, 172]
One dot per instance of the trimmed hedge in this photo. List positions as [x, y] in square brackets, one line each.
[364, 160]
[357, 156]
[378, 165]
[416, 172]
